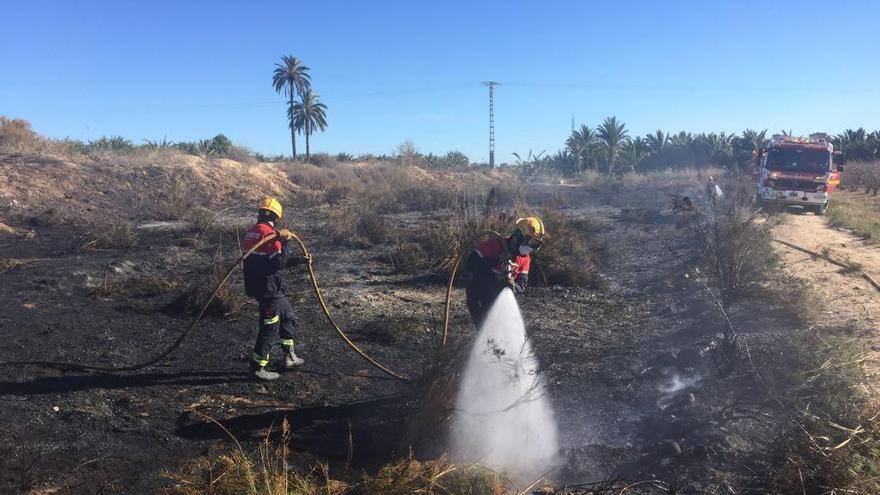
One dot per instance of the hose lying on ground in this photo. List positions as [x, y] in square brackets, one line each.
[326, 311]
[192, 325]
[831, 260]
[455, 267]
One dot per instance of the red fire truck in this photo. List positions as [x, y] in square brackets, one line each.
[797, 171]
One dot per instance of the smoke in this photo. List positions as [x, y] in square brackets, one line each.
[503, 420]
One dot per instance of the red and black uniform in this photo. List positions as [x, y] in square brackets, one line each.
[489, 276]
[263, 282]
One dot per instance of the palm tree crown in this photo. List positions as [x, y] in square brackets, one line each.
[292, 77]
[581, 144]
[612, 133]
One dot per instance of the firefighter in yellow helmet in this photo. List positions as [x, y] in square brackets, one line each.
[497, 264]
[263, 282]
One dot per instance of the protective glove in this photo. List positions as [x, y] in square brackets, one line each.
[285, 234]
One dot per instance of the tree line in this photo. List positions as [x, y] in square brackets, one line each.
[610, 148]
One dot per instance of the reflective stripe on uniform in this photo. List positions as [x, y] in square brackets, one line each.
[287, 342]
[271, 321]
[260, 360]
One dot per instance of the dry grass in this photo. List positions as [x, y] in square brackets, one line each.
[857, 211]
[831, 443]
[119, 286]
[268, 472]
[117, 236]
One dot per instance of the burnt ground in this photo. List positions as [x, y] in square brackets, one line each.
[634, 371]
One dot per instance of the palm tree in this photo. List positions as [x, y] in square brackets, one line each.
[681, 139]
[720, 147]
[755, 140]
[633, 151]
[657, 142]
[309, 114]
[612, 134]
[581, 144]
[293, 78]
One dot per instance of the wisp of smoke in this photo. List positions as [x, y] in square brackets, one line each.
[502, 419]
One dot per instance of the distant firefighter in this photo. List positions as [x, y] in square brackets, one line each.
[264, 282]
[713, 191]
[497, 264]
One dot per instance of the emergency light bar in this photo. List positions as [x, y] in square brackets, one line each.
[819, 138]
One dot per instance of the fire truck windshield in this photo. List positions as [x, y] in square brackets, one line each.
[799, 160]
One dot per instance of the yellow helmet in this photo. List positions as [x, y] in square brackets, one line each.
[271, 204]
[532, 228]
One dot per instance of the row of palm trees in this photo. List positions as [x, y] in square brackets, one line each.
[306, 115]
[610, 148]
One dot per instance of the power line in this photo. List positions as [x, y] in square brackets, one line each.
[491, 85]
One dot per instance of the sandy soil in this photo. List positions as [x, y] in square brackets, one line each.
[849, 300]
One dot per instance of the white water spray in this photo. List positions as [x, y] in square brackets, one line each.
[503, 420]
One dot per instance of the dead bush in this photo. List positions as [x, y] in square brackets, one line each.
[566, 258]
[228, 303]
[322, 160]
[733, 244]
[16, 136]
[152, 286]
[358, 226]
[409, 257]
[862, 175]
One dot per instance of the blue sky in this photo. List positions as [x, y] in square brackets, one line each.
[390, 71]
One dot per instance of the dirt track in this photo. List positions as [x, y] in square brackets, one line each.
[849, 300]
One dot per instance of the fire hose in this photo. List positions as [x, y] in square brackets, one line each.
[155, 359]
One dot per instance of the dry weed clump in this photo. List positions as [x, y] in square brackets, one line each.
[118, 236]
[227, 303]
[566, 258]
[112, 285]
[105, 287]
[391, 329]
[831, 441]
[268, 472]
[358, 226]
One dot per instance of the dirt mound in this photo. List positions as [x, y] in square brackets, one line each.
[89, 190]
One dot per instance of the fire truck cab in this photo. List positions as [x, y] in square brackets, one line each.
[797, 171]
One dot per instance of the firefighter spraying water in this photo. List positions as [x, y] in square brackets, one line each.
[502, 262]
[502, 417]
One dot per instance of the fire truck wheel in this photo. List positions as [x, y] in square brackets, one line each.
[819, 210]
